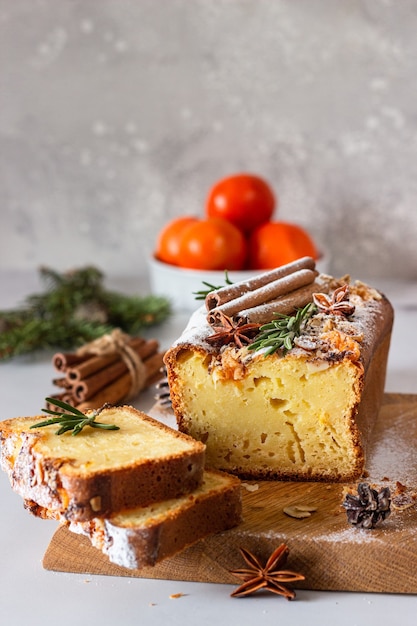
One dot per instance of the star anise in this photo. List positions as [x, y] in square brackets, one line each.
[228, 331]
[270, 576]
[369, 507]
[337, 304]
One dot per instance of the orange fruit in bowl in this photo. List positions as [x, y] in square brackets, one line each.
[168, 241]
[245, 200]
[212, 244]
[276, 243]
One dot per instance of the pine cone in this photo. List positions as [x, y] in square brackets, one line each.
[369, 507]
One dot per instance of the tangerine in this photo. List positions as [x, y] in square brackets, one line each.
[212, 244]
[168, 241]
[277, 243]
[245, 200]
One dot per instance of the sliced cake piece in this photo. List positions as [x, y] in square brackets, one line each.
[301, 412]
[143, 536]
[98, 472]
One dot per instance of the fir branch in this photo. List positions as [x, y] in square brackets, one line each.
[70, 418]
[75, 309]
[133, 313]
[201, 295]
[281, 332]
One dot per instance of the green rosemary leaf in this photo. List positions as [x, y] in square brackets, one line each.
[201, 295]
[55, 420]
[78, 427]
[288, 342]
[281, 332]
[64, 429]
[270, 350]
[103, 426]
[73, 419]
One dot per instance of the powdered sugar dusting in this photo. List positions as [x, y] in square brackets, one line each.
[196, 330]
[372, 311]
[393, 454]
[350, 535]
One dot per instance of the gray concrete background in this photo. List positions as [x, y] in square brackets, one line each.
[117, 115]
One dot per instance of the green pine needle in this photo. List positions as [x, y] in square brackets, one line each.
[75, 309]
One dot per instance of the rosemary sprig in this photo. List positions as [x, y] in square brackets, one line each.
[201, 295]
[71, 418]
[281, 332]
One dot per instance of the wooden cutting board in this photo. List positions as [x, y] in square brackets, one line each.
[330, 553]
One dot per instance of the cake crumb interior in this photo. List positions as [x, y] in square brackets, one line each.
[288, 415]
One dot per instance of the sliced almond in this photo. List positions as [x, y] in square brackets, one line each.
[250, 486]
[294, 511]
[306, 507]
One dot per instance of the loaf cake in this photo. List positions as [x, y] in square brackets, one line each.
[99, 472]
[282, 376]
[143, 536]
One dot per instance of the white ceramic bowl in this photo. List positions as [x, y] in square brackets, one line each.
[179, 284]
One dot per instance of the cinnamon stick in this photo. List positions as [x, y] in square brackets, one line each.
[230, 292]
[147, 349]
[113, 393]
[63, 383]
[266, 293]
[88, 387]
[119, 389]
[92, 379]
[62, 360]
[96, 363]
[285, 305]
[153, 367]
[64, 397]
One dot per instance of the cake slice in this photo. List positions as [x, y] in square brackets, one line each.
[143, 536]
[295, 406]
[99, 472]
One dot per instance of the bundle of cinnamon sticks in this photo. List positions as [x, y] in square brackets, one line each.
[112, 369]
[280, 290]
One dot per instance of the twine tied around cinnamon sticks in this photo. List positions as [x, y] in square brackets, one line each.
[112, 368]
[281, 290]
[118, 342]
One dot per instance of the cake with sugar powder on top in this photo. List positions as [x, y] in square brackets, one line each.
[282, 376]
